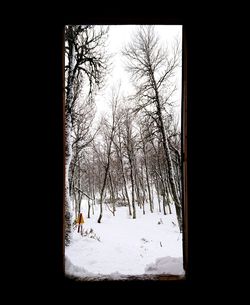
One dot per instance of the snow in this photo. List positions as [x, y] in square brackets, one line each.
[166, 265]
[149, 244]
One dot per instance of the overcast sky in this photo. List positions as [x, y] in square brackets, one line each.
[120, 35]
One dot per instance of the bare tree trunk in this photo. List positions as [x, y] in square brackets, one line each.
[93, 201]
[93, 190]
[116, 186]
[130, 152]
[93, 212]
[147, 177]
[102, 192]
[123, 196]
[132, 186]
[89, 192]
[160, 174]
[79, 184]
[137, 188]
[179, 181]
[164, 201]
[168, 156]
[112, 194]
[105, 178]
[119, 154]
[71, 179]
[167, 183]
[152, 193]
[158, 193]
[168, 193]
[126, 192]
[177, 168]
[172, 182]
[67, 196]
[143, 207]
[111, 139]
[168, 203]
[88, 208]
[74, 195]
[143, 190]
[143, 200]
[68, 142]
[164, 192]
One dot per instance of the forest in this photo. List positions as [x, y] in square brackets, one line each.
[129, 157]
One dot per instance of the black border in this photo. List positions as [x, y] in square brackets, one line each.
[47, 157]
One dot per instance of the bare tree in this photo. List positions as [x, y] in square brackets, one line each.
[130, 154]
[110, 134]
[152, 69]
[81, 139]
[120, 155]
[84, 60]
[145, 157]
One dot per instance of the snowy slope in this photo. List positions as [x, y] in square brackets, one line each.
[149, 244]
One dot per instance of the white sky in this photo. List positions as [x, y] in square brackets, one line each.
[120, 35]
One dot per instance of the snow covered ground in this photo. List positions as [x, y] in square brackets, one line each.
[149, 244]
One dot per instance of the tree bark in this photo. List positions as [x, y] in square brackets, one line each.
[105, 179]
[130, 152]
[125, 188]
[158, 193]
[146, 58]
[147, 176]
[164, 201]
[132, 187]
[88, 208]
[68, 140]
[176, 198]
[137, 188]
[119, 154]
[112, 194]
[143, 194]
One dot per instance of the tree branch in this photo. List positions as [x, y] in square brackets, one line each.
[83, 193]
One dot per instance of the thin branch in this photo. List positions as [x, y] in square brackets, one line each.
[83, 193]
